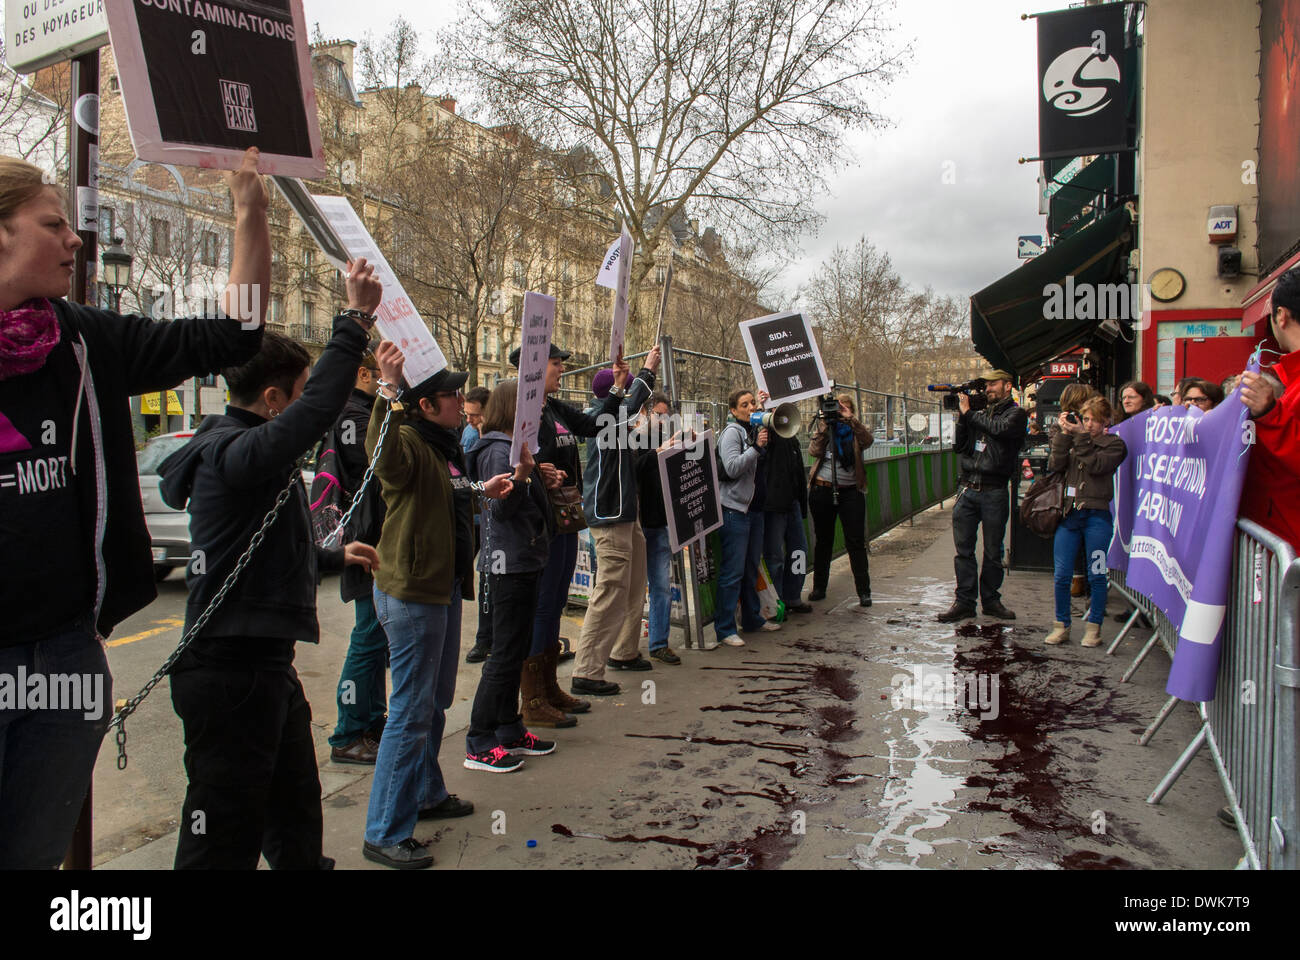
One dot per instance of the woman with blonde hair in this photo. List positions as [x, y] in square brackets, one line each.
[1089, 457]
[75, 559]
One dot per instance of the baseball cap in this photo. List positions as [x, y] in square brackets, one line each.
[555, 354]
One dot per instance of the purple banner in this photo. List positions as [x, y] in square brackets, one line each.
[1175, 508]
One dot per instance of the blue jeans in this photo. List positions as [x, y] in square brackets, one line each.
[47, 757]
[784, 539]
[362, 696]
[553, 593]
[659, 565]
[423, 650]
[742, 548]
[1093, 529]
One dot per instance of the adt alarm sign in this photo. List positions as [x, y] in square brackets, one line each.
[39, 33]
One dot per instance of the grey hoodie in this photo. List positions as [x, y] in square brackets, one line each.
[517, 531]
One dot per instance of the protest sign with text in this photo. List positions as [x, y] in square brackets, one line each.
[784, 354]
[203, 81]
[538, 321]
[616, 273]
[1175, 510]
[396, 316]
[688, 477]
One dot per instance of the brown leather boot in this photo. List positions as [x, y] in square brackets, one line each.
[554, 695]
[537, 710]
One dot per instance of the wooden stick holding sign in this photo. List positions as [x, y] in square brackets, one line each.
[534, 355]
[663, 302]
[688, 476]
[202, 82]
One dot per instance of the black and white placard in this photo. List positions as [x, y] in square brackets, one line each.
[203, 81]
[784, 354]
[688, 476]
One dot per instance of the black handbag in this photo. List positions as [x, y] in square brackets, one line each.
[1043, 505]
[566, 502]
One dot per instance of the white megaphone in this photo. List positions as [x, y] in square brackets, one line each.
[784, 419]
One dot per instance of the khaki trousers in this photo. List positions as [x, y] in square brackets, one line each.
[612, 626]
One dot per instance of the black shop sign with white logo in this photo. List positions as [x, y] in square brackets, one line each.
[1082, 82]
[688, 477]
[785, 358]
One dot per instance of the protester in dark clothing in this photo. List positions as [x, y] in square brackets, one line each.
[654, 524]
[1089, 457]
[426, 552]
[362, 698]
[249, 754]
[559, 432]
[988, 444]
[517, 531]
[74, 549]
[838, 490]
[785, 504]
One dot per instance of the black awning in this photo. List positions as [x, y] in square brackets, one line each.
[1007, 320]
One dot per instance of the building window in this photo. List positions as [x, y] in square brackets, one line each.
[308, 257]
[113, 85]
[517, 308]
[209, 248]
[520, 275]
[160, 234]
[307, 309]
[107, 225]
[661, 274]
[277, 309]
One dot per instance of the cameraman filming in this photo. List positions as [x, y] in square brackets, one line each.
[988, 442]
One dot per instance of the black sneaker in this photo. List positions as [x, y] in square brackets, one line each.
[593, 688]
[864, 599]
[998, 612]
[958, 611]
[800, 608]
[453, 806]
[566, 651]
[636, 663]
[477, 654]
[817, 595]
[530, 745]
[665, 655]
[496, 760]
[408, 854]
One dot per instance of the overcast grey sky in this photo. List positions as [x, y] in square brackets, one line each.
[969, 97]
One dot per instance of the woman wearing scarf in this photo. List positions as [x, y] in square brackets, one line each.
[426, 552]
[837, 484]
[74, 550]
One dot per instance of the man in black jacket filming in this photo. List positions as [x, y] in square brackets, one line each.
[988, 443]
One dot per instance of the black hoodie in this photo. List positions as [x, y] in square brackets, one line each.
[230, 474]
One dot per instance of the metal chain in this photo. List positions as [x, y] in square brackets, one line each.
[337, 533]
[119, 718]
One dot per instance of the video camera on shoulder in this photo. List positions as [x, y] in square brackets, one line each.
[973, 389]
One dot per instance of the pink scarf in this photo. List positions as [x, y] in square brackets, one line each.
[27, 335]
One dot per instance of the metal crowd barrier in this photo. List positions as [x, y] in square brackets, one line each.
[1252, 726]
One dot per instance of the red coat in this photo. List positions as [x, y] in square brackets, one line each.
[1272, 494]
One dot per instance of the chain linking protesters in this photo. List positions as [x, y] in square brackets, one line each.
[988, 443]
[74, 549]
[249, 753]
[426, 555]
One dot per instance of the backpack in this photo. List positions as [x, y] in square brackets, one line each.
[329, 499]
[1042, 506]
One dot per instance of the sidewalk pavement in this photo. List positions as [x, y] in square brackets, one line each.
[817, 747]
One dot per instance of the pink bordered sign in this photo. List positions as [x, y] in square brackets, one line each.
[203, 81]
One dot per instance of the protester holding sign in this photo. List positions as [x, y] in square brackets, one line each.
[426, 554]
[1272, 493]
[838, 482]
[249, 753]
[517, 531]
[654, 525]
[66, 371]
[1089, 457]
[611, 631]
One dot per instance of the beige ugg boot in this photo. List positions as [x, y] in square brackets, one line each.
[1060, 633]
[1092, 634]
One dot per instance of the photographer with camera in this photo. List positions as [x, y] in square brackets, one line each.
[838, 484]
[988, 443]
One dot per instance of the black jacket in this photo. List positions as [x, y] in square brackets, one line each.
[1001, 429]
[787, 477]
[103, 359]
[348, 439]
[518, 530]
[609, 483]
[230, 474]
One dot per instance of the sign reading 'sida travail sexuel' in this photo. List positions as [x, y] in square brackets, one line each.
[688, 477]
[203, 80]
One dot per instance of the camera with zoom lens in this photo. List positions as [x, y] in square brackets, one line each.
[973, 389]
[828, 407]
